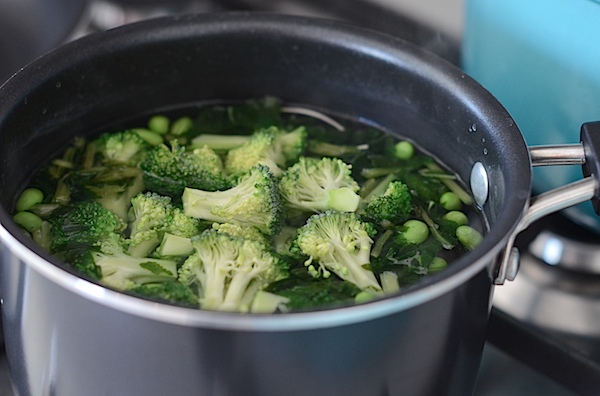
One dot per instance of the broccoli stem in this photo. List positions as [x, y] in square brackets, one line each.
[377, 189]
[380, 242]
[218, 142]
[451, 184]
[434, 229]
[389, 282]
[334, 150]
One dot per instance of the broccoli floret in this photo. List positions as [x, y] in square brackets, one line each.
[119, 270]
[168, 171]
[319, 185]
[181, 224]
[171, 291]
[117, 197]
[125, 147]
[151, 216]
[282, 242]
[394, 205]
[271, 147]
[86, 224]
[293, 143]
[339, 242]
[235, 230]
[228, 271]
[253, 202]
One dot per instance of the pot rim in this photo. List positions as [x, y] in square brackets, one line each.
[379, 45]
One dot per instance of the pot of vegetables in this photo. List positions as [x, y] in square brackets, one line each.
[257, 204]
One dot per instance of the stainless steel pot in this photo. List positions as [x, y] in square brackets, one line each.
[68, 336]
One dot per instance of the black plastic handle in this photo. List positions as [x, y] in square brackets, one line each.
[590, 138]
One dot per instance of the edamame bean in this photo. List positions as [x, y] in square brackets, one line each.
[159, 124]
[457, 216]
[450, 201]
[437, 264]
[468, 236]
[181, 126]
[29, 197]
[28, 221]
[404, 150]
[152, 138]
[364, 296]
[415, 232]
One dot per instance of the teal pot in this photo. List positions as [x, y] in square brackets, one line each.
[541, 59]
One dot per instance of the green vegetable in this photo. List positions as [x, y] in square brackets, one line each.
[225, 270]
[170, 291]
[253, 202]
[326, 149]
[159, 124]
[83, 223]
[168, 171]
[219, 142]
[29, 198]
[28, 221]
[339, 242]
[125, 147]
[151, 216]
[450, 201]
[394, 205]
[415, 232]
[182, 126]
[404, 150]
[189, 210]
[468, 236]
[320, 184]
[122, 271]
[306, 292]
[457, 217]
[271, 147]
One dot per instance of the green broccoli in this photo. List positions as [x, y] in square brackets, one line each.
[85, 224]
[151, 216]
[125, 147]
[253, 202]
[228, 271]
[319, 185]
[235, 230]
[148, 216]
[122, 271]
[393, 206]
[341, 243]
[116, 197]
[168, 171]
[272, 147]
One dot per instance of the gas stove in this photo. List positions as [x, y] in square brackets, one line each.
[543, 336]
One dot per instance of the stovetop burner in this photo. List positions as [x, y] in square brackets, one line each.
[549, 316]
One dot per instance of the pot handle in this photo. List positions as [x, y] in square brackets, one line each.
[586, 154]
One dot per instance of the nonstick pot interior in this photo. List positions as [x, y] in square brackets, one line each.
[105, 79]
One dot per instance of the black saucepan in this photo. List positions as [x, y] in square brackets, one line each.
[67, 336]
